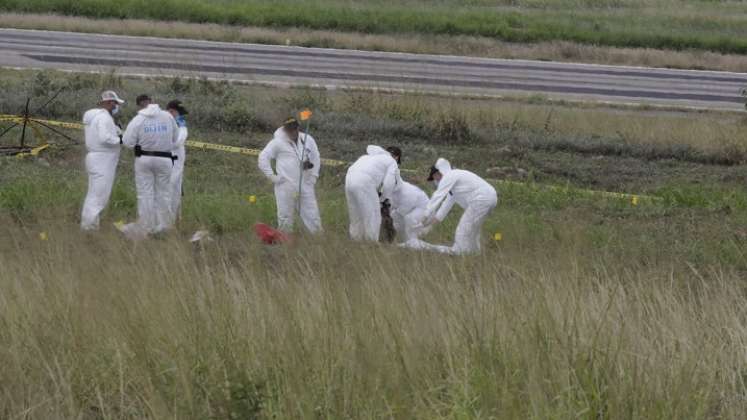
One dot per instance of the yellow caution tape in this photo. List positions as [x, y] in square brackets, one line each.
[246, 151]
[33, 152]
[62, 124]
[329, 162]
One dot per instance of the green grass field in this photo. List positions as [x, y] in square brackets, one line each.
[588, 307]
[663, 24]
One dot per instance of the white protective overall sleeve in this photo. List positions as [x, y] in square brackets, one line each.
[442, 196]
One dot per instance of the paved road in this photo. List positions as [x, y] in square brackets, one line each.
[344, 68]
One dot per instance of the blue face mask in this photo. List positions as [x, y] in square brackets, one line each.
[181, 121]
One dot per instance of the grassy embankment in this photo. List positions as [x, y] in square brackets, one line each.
[683, 34]
[588, 306]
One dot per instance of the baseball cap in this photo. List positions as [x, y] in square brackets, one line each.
[111, 95]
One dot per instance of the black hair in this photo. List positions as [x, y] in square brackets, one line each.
[142, 98]
[396, 151]
[177, 106]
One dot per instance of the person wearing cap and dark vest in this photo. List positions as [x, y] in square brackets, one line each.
[153, 133]
[297, 164]
[472, 193]
[369, 183]
[103, 140]
[179, 112]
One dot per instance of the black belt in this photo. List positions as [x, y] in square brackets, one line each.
[140, 152]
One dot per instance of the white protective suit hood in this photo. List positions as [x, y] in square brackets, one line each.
[443, 166]
[150, 111]
[101, 134]
[376, 150]
[153, 129]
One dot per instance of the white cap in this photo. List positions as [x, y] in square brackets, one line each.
[111, 95]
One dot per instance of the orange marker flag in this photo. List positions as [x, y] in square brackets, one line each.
[305, 114]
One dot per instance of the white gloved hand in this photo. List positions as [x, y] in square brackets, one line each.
[276, 180]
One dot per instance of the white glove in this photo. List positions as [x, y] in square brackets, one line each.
[276, 180]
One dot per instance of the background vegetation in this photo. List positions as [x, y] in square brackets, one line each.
[663, 24]
[589, 306]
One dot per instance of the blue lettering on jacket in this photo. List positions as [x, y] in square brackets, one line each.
[155, 128]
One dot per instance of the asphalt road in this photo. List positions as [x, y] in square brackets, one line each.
[331, 68]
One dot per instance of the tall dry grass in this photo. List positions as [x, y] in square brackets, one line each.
[95, 327]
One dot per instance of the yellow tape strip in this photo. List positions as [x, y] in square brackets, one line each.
[33, 152]
[246, 151]
[330, 162]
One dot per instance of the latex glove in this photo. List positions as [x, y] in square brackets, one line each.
[310, 179]
[276, 180]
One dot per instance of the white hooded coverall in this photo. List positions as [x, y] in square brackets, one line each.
[376, 169]
[154, 130]
[289, 156]
[408, 209]
[473, 194]
[177, 172]
[102, 143]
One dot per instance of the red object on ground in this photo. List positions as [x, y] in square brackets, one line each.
[269, 235]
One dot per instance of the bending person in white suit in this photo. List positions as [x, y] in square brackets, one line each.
[374, 171]
[408, 209]
[472, 193]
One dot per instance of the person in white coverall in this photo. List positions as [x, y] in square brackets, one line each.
[153, 133]
[179, 112]
[375, 170]
[408, 209]
[472, 193]
[297, 164]
[103, 140]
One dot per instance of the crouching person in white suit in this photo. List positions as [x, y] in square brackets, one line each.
[297, 164]
[103, 139]
[153, 134]
[408, 210]
[472, 193]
